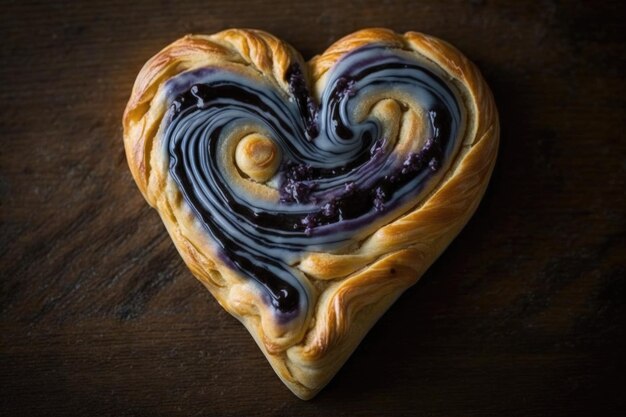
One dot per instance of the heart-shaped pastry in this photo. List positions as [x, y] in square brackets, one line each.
[308, 196]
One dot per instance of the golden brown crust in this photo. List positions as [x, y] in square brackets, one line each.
[354, 289]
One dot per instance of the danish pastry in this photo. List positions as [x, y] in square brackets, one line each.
[307, 196]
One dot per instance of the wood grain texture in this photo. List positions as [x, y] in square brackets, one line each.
[522, 315]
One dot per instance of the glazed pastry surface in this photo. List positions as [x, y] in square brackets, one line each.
[308, 196]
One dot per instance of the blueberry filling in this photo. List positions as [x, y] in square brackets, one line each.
[336, 178]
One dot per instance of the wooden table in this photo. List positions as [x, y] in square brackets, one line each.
[522, 315]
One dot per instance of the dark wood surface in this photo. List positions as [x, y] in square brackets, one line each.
[522, 315]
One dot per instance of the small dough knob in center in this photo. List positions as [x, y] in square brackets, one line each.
[258, 157]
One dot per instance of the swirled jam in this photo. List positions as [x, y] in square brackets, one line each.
[339, 178]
